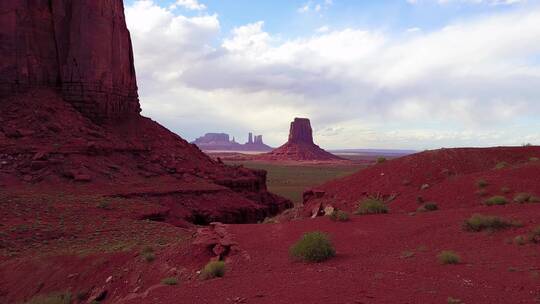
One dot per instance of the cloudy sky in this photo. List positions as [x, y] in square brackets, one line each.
[370, 74]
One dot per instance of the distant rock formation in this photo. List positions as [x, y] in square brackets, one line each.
[300, 146]
[221, 142]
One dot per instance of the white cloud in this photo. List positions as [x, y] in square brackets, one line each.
[474, 82]
[488, 2]
[323, 29]
[193, 5]
[315, 6]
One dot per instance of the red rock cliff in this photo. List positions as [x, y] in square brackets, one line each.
[300, 131]
[69, 120]
[82, 48]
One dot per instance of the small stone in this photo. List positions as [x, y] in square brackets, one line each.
[108, 279]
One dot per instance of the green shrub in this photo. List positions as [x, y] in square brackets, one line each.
[214, 269]
[57, 298]
[520, 240]
[148, 254]
[496, 200]
[381, 160]
[534, 159]
[313, 247]
[105, 205]
[407, 254]
[534, 235]
[451, 300]
[428, 207]
[482, 183]
[506, 190]
[339, 216]
[478, 222]
[447, 257]
[501, 165]
[372, 206]
[170, 281]
[482, 192]
[524, 197]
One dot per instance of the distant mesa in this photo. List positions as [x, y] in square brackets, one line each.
[300, 146]
[222, 142]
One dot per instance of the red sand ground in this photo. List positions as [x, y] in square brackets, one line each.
[451, 177]
[59, 243]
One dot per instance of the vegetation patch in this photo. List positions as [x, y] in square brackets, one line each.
[501, 165]
[534, 159]
[313, 247]
[381, 160]
[451, 300]
[57, 298]
[339, 216]
[482, 192]
[520, 240]
[524, 197]
[148, 254]
[372, 206]
[479, 222]
[534, 235]
[448, 257]
[482, 183]
[496, 200]
[214, 269]
[506, 190]
[170, 281]
[407, 254]
[427, 207]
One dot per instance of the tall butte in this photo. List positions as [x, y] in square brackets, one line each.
[70, 122]
[300, 146]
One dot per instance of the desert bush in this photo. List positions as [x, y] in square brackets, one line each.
[534, 159]
[381, 160]
[170, 281]
[313, 247]
[524, 197]
[482, 183]
[534, 235]
[147, 254]
[451, 300]
[428, 207]
[339, 216]
[482, 192]
[520, 240]
[372, 206]
[496, 200]
[407, 254]
[447, 257]
[214, 269]
[506, 190]
[501, 165]
[105, 205]
[479, 222]
[57, 298]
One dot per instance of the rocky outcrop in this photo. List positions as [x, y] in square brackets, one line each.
[300, 146]
[70, 122]
[221, 142]
[82, 48]
[300, 131]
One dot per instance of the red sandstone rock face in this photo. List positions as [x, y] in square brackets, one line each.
[300, 146]
[82, 47]
[300, 131]
[69, 121]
